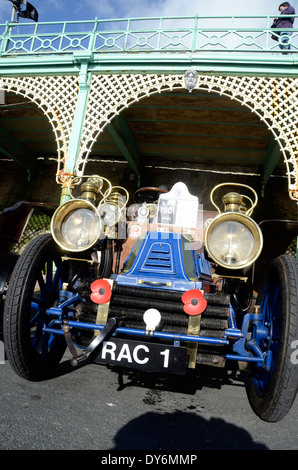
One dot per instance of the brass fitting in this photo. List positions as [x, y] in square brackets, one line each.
[90, 189]
[232, 202]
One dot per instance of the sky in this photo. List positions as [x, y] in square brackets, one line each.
[76, 10]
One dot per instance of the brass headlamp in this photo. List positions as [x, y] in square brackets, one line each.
[76, 225]
[80, 222]
[234, 240]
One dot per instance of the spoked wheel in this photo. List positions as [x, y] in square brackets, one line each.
[272, 392]
[35, 282]
[34, 287]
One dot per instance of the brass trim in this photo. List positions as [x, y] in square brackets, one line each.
[253, 203]
[218, 276]
[68, 258]
[103, 311]
[194, 324]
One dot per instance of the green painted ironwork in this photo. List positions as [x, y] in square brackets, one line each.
[125, 142]
[154, 40]
[122, 146]
[78, 120]
[165, 34]
[222, 46]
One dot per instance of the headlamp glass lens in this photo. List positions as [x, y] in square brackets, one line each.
[80, 228]
[232, 243]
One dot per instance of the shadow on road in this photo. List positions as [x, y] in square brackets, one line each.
[182, 431]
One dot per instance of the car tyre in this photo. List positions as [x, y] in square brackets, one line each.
[272, 393]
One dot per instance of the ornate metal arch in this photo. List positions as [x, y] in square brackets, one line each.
[56, 96]
[274, 100]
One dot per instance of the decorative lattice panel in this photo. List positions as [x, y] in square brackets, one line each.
[56, 96]
[274, 100]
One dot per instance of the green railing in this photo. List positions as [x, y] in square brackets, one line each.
[235, 34]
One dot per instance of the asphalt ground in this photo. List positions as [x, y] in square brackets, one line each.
[104, 409]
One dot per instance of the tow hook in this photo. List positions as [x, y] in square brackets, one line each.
[108, 329]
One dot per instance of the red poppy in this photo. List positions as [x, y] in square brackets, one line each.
[101, 291]
[194, 302]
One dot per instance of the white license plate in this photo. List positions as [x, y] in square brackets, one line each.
[149, 357]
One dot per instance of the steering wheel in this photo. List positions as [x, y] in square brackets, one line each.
[148, 194]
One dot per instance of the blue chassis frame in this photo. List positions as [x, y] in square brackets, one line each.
[233, 336]
[241, 348]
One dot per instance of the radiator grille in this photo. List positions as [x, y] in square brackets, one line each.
[130, 303]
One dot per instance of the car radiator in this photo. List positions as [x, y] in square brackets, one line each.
[130, 303]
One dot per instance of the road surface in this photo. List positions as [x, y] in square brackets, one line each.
[98, 408]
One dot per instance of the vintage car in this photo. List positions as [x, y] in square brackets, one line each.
[195, 288]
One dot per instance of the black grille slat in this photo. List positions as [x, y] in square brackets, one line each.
[143, 303]
[138, 315]
[148, 293]
[216, 311]
[213, 323]
[130, 303]
[217, 299]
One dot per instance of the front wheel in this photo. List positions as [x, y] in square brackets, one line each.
[272, 393]
[34, 286]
